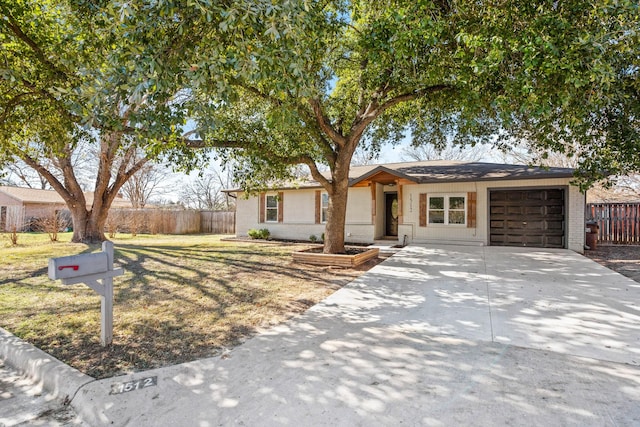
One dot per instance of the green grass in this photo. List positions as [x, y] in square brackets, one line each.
[181, 298]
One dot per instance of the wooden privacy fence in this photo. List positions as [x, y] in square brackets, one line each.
[619, 222]
[218, 222]
[160, 221]
[12, 218]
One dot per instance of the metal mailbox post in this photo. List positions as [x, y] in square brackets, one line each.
[89, 269]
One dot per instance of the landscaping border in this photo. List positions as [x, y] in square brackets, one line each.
[338, 260]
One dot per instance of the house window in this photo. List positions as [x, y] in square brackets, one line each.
[447, 210]
[271, 209]
[324, 207]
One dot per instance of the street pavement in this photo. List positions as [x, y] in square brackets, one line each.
[25, 403]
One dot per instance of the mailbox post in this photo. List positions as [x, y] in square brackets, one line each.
[96, 271]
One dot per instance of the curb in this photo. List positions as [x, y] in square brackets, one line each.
[59, 379]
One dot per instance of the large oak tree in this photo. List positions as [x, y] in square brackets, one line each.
[557, 75]
[113, 77]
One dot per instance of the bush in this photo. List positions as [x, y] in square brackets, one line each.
[259, 234]
[313, 238]
[51, 224]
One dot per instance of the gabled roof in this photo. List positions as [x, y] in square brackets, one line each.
[381, 174]
[34, 195]
[435, 171]
[448, 171]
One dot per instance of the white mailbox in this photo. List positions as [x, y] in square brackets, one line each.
[78, 265]
[96, 271]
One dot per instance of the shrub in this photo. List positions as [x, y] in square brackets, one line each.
[313, 238]
[51, 224]
[259, 234]
[322, 237]
[13, 235]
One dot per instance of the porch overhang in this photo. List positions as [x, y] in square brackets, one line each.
[384, 176]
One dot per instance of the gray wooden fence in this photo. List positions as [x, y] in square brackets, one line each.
[618, 222]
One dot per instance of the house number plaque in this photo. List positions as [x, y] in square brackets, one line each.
[133, 385]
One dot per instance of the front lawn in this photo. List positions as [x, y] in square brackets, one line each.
[182, 298]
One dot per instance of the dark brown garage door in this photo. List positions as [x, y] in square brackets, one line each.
[534, 217]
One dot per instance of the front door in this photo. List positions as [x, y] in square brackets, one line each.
[391, 214]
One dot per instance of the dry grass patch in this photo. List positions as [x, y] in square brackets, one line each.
[182, 298]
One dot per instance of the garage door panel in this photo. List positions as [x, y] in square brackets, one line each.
[529, 217]
[534, 210]
[555, 210]
[534, 240]
[554, 241]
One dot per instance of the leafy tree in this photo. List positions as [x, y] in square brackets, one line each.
[114, 76]
[551, 74]
[575, 66]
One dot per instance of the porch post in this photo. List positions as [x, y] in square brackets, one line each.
[400, 210]
[373, 203]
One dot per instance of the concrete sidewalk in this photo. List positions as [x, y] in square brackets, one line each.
[433, 336]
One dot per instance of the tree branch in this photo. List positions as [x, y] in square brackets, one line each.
[42, 57]
[419, 93]
[325, 125]
[374, 109]
[13, 102]
[54, 182]
[315, 173]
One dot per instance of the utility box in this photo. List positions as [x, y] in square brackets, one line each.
[78, 265]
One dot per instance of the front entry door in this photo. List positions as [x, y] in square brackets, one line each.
[391, 214]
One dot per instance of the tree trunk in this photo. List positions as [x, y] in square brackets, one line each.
[338, 193]
[336, 218]
[88, 226]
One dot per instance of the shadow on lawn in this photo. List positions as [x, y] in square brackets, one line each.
[178, 266]
[176, 304]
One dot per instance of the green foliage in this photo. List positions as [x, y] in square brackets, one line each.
[262, 233]
[270, 85]
[313, 238]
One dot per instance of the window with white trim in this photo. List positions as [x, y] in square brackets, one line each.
[271, 209]
[448, 209]
[324, 207]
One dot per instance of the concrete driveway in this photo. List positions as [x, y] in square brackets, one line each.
[433, 336]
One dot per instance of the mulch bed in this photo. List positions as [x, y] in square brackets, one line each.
[625, 259]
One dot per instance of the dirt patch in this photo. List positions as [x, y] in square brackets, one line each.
[621, 258]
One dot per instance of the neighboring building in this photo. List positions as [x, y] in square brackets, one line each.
[432, 202]
[29, 203]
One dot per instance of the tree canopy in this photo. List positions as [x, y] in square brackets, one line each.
[117, 77]
[276, 84]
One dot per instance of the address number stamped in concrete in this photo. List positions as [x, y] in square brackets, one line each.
[133, 385]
